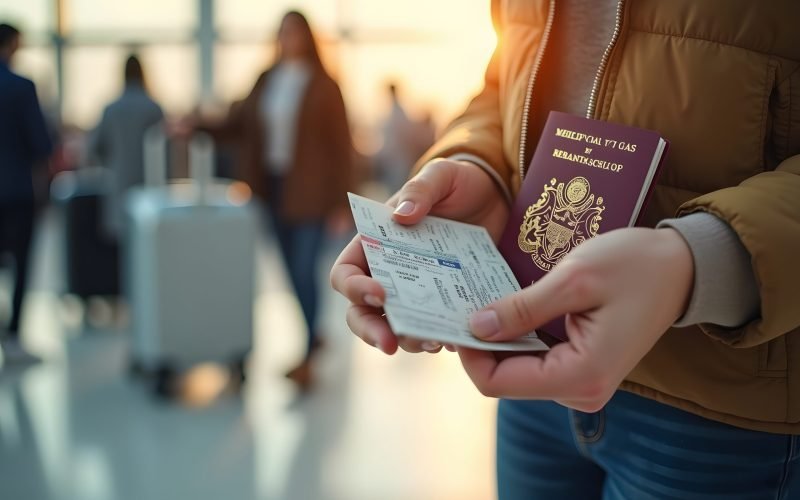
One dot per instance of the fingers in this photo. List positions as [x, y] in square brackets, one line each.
[415, 345]
[349, 277]
[563, 373]
[371, 327]
[432, 347]
[568, 288]
[418, 195]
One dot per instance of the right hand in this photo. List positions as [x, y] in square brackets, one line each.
[455, 190]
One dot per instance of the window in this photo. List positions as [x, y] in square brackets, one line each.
[121, 19]
[35, 18]
[437, 61]
[257, 19]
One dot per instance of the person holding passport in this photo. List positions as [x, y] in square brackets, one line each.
[679, 375]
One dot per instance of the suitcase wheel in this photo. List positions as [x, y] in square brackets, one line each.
[238, 371]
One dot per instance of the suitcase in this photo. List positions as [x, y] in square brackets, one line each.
[190, 266]
[91, 256]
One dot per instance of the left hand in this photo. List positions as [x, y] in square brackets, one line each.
[455, 190]
[620, 291]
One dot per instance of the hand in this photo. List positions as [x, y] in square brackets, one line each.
[620, 291]
[451, 189]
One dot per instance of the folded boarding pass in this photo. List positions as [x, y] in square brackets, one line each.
[435, 273]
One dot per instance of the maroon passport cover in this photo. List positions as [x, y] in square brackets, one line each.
[586, 177]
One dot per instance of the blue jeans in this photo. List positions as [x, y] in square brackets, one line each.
[637, 449]
[301, 246]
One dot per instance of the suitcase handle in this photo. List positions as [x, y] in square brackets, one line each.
[155, 156]
[201, 164]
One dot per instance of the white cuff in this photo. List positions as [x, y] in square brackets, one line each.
[477, 160]
[725, 291]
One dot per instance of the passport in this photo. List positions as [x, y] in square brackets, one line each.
[586, 177]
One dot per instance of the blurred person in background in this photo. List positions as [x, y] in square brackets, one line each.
[404, 141]
[424, 135]
[24, 142]
[117, 142]
[396, 157]
[295, 152]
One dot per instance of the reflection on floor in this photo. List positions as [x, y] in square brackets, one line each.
[376, 428]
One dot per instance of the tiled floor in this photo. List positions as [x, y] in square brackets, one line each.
[376, 428]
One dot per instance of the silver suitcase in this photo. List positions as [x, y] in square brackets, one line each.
[190, 266]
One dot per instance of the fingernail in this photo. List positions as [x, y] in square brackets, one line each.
[404, 208]
[373, 300]
[430, 345]
[485, 324]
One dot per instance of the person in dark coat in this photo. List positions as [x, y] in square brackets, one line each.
[24, 142]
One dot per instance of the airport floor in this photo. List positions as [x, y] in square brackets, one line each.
[78, 426]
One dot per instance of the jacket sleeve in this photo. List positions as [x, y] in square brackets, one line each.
[97, 144]
[35, 128]
[340, 148]
[764, 211]
[230, 128]
[478, 131]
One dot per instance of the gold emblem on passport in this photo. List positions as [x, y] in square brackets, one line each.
[564, 217]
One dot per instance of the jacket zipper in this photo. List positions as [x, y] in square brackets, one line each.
[529, 92]
[604, 61]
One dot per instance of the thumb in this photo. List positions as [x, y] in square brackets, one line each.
[423, 191]
[565, 289]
